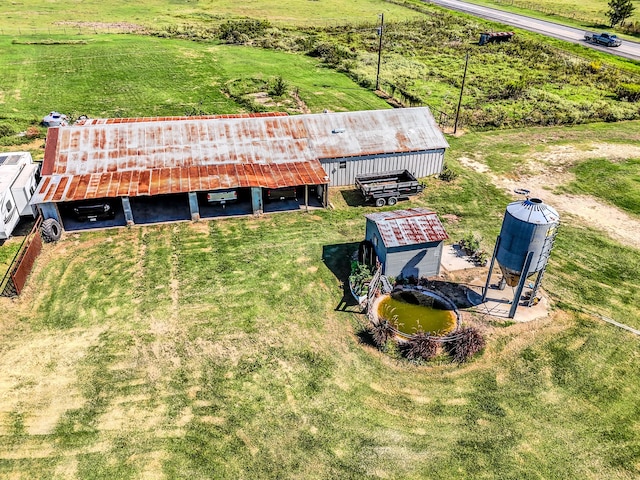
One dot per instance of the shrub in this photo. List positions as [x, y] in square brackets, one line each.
[33, 132]
[240, 31]
[629, 92]
[420, 347]
[464, 344]
[381, 332]
[447, 175]
[470, 243]
[6, 130]
[279, 87]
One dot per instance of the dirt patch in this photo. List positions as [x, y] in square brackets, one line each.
[42, 378]
[551, 172]
[121, 27]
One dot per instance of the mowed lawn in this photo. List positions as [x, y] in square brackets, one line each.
[129, 76]
[219, 350]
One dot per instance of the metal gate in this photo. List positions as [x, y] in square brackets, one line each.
[16, 277]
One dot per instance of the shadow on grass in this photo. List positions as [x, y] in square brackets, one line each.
[461, 295]
[337, 258]
[353, 198]
[598, 26]
[365, 338]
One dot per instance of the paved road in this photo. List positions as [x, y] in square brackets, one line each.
[628, 49]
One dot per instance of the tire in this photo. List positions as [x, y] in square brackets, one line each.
[392, 201]
[51, 230]
[380, 202]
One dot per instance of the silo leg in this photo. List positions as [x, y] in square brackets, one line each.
[523, 279]
[493, 259]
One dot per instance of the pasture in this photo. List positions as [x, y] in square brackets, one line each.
[217, 349]
[222, 349]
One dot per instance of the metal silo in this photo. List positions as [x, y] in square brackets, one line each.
[523, 247]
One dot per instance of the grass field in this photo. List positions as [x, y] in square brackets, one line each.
[34, 15]
[118, 76]
[216, 350]
[589, 14]
[220, 350]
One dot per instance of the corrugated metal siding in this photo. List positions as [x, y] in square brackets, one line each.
[416, 262]
[420, 164]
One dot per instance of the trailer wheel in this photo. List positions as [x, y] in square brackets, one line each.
[51, 230]
[380, 202]
[392, 201]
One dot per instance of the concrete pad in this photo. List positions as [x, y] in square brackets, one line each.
[454, 259]
[498, 302]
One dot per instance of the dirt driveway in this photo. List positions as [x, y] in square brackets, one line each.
[551, 172]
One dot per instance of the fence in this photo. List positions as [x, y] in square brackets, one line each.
[22, 264]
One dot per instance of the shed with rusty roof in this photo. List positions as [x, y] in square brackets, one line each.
[408, 243]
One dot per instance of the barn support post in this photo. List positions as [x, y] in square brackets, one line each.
[256, 200]
[128, 213]
[50, 210]
[193, 206]
[306, 197]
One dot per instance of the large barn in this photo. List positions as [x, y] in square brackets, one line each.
[197, 167]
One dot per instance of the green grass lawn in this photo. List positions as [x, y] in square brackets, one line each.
[36, 16]
[129, 76]
[215, 350]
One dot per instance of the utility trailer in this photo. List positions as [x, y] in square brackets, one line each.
[18, 180]
[388, 187]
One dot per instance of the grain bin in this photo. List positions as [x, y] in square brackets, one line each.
[523, 247]
[528, 226]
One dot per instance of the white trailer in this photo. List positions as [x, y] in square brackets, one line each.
[17, 184]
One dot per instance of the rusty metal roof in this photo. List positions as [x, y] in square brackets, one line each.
[149, 156]
[107, 121]
[373, 132]
[408, 227]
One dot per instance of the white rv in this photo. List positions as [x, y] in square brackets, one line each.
[17, 183]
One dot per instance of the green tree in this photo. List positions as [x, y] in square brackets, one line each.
[619, 11]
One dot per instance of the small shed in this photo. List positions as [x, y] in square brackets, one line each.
[408, 243]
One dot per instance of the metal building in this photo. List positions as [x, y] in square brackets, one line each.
[408, 243]
[353, 143]
[190, 158]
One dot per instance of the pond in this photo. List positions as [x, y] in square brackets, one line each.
[412, 311]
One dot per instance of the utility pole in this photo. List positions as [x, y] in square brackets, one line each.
[464, 76]
[379, 50]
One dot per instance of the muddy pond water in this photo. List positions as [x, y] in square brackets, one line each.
[411, 312]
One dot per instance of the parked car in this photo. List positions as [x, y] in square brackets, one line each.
[222, 197]
[55, 119]
[92, 210]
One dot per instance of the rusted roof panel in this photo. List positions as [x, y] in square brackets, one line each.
[173, 154]
[59, 188]
[108, 121]
[373, 132]
[408, 227]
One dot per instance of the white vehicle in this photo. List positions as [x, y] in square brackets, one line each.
[222, 196]
[17, 185]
